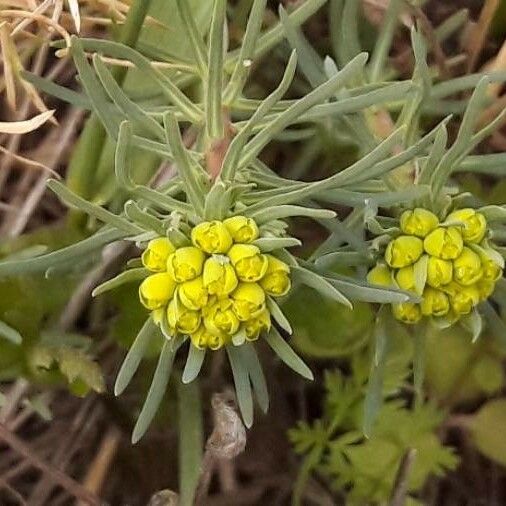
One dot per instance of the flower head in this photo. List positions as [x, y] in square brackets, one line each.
[407, 312]
[419, 222]
[439, 272]
[255, 326]
[250, 265]
[380, 275]
[219, 276]
[154, 257]
[467, 268]
[185, 264]
[248, 301]
[445, 243]
[182, 319]
[193, 294]
[220, 318]
[475, 224]
[276, 281]
[212, 237]
[403, 251]
[242, 229]
[434, 302]
[156, 290]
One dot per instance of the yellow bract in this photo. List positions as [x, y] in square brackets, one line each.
[404, 250]
[380, 275]
[475, 224]
[418, 222]
[216, 288]
[445, 243]
[406, 278]
[242, 229]
[212, 237]
[155, 255]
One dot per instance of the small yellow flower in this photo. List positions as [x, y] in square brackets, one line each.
[212, 237]
[242, 229]
[220, 318]
[434, 302]
[276, 281]
[193, 294]
[156, 290]
[419, 222]
[439, 272]
[405, 278]
[445, 243]
[185, 264]
[219, 276]
[202, 339]
[181, 318]
[407, 312]
[255, 326]
[380, 275]
[475, 224]
[462, 298]
[248, 301]
[467, 267]
[250, 265]
[491, 271]
[154, 257]
[404, 250]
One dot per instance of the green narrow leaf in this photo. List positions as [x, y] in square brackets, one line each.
[69, 198]
[273, 213]
[256, 374]
[193, 363]
[267, 244]
[191, 440]
[420, 335]
[374, 393]
[134, 356]
[145, 220]
[214, 88]
[420, 274]
[278, 315]
[156, 392]
[122, 278]
[474, 324]
[287, 355]
[243, 63]
[10, 334]
[321, 285]
[242, 384]
[495, 323]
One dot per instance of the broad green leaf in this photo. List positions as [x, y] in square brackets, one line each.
[486, 430]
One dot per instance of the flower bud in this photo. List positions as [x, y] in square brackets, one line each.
[380, 275]
[405, 278]
[404, 250]
[202, 339]
[462, 298]
[242, 229]
[439, 272]
[445, 243]
[475, 224]
[248, 301]
[276, 281]
[154, 257]
[185, 264]
[255, 326]
[219, 276]
[249, 264]
[434, 302]
[156, 290]
[407, 312]
[212, 237]
[193, 294]
[220, 318]
[419, 222]
[181, 318]
[467, 267]
[491, 271]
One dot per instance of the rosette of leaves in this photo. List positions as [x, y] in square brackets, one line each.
[218, 174]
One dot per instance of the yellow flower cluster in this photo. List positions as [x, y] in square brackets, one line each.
[450, 260]
[215, 288]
